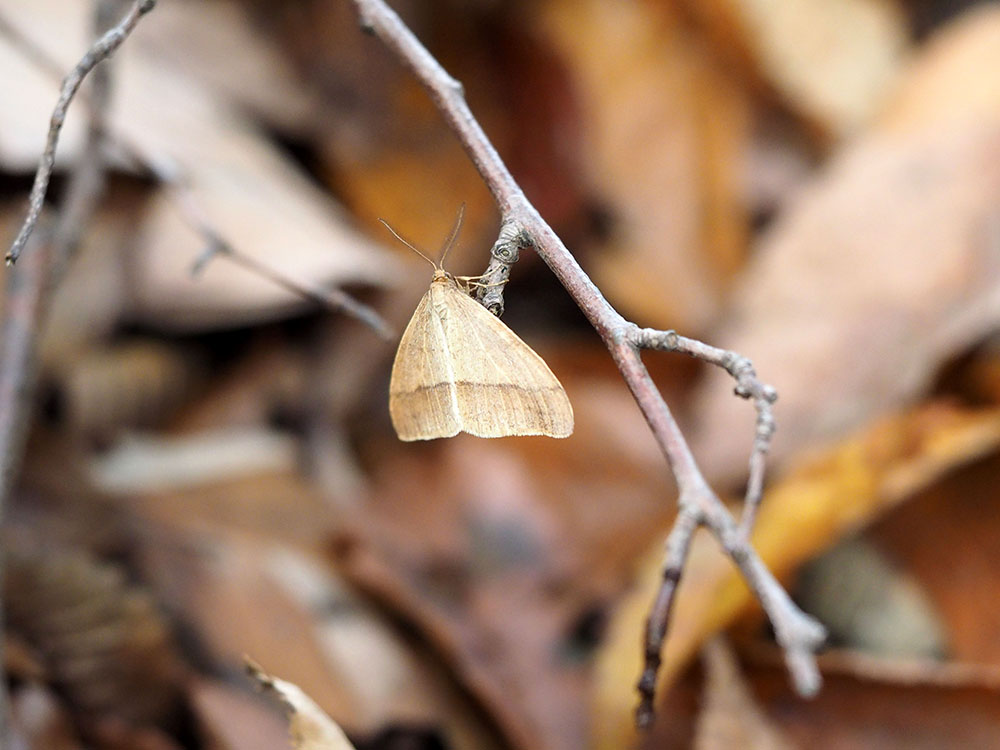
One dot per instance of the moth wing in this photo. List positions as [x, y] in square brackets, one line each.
[422, 400]
[501, 386]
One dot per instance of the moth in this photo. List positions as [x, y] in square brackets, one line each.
[459, 368]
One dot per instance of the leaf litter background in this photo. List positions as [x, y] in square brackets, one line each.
[211, 471]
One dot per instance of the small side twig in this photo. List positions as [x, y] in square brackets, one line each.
[747, 386]
[101, 50]
[217, 245]
[698, 505]
[331, 299]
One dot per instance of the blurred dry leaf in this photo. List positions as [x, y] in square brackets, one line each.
[885, 267]
[231, 719]
[868, 603]
[217, 44]
[932, 705]
[39, 721]
[133, 383]
[249, 191]
[281, 506]
[730, 716]
[664, 133]
[104, 644]
[882, 269]
[220, 585]
[152, 463]
[955, 79]
[827, 496]
[946, 539]
[833, 61]
[213, 44]
[250, 595]
[382, 143]
[311, 728]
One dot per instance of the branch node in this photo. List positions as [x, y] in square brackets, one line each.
[503, 256]
[457, 88]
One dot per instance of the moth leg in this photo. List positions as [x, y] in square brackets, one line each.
[472, 282]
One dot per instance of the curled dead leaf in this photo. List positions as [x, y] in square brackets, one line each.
[311, 728]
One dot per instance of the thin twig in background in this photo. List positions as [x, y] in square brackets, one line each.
[102, 49]
[170, 177]
[698, 505]
[26, 303]
[330, 298]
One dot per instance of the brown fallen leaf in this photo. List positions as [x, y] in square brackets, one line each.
[104, 643]
[252, 194]
[946, 539]
[730, 717]
[222, 46]
[933, 705]
[220, 585]
[833, 61]
[311, 728]
[381, 143]
[827, 496]
[132, 383]
[953, 80]
[228, 718]
[663, 129]
[884, 267]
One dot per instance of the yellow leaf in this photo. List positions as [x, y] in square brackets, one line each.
[828, 496]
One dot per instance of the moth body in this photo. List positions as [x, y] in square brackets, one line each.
[460, 369]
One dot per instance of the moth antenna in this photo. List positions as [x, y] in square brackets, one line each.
[396, 235]
[453, 236]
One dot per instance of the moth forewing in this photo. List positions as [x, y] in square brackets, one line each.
[420, 403]
[459, 368]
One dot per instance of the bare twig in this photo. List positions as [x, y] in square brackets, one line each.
[178, 190]
[102, 49]
[217, 245]
[20, 324]
[28, 286]
[798, 634]
[330, 298]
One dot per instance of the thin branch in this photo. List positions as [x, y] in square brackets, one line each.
[216, 244]
[698, 505]
[168, 174]
[102, 49]
[330, 298]
[29, 286]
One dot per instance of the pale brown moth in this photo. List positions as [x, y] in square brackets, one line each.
[460, 369]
